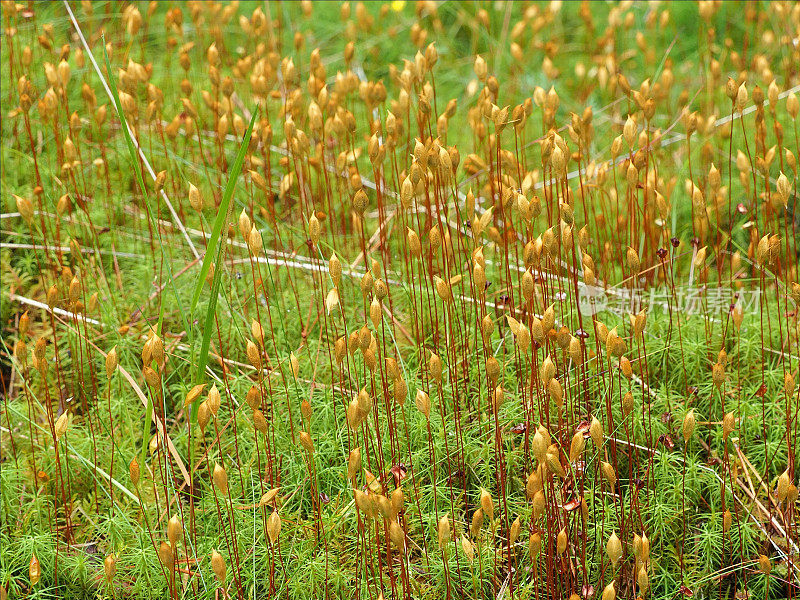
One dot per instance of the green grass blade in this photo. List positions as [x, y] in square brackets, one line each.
[216, 248]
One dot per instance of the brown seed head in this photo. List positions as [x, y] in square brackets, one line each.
[218, 566]
[477, 523]
[110, 567]
[274, 527]
[174, 530]
[166, 556]
[34, 570]
[689, 422]
[133, 471]
[220, 477]
[487, 504]
[443, 532]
